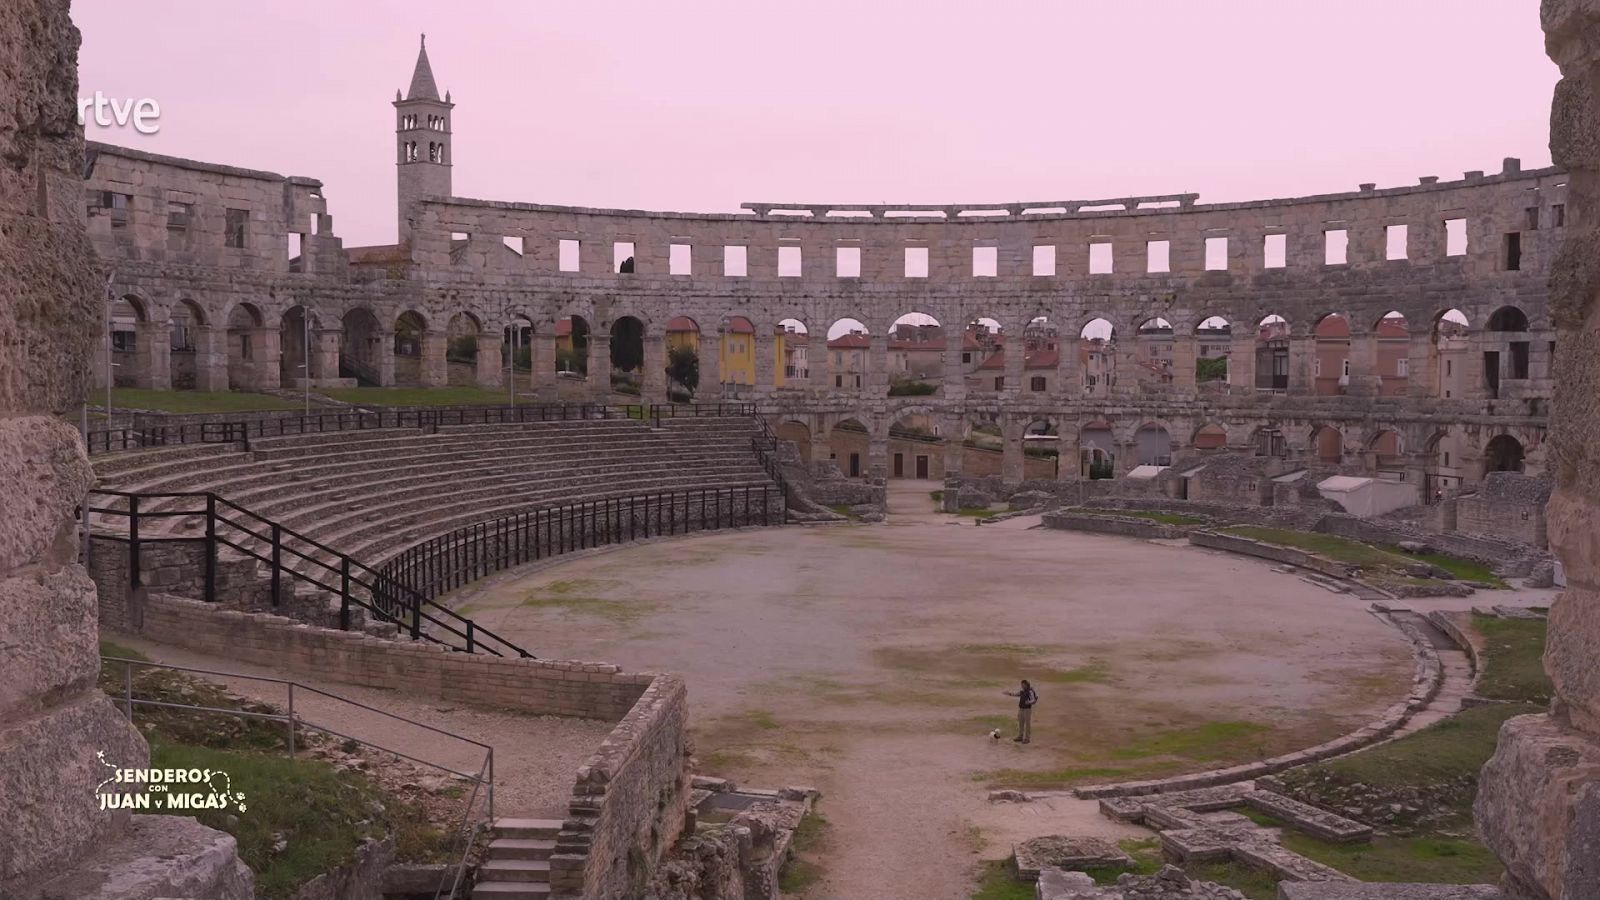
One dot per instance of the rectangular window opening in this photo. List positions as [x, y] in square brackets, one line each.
[788, 261]
[680, 259]
[916, 262]
[735, 261]
[1513, 251]
[515, 243]
[293, 244]
[1532, 213]
[847, 262]
[622, 257]
[235, 223]
[567, 255]
[985, 262]
[1275, 250]
[1455, 237]
[1558, 215]
[1394, 241]
[1157, 256]
[1044, 260]
[1100, 258]
[1216, 254]
[1335, 246]
[179, 215]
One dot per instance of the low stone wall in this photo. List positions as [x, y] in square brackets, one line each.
[630, 801]
[541, 687]
[1515, 559]
[1127, 526]
[1248, 547]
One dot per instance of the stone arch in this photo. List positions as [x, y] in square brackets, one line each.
[915, 442]
[298, 328]
[571, 358]
[737, 352]
[626, 343]
[799, 433]
[1450, 355]
[463, 344]
[1504, 453]
[252, 365]
[1331, 340]
[916, 345]
[1154, 341]
[792, 339]
[1272, 353]
[849, 343]
[849, 445]
[408, 337]
[1209, 436]
[362, 347]
[1152, 444]
[1327, 444]
[1097, 340]
[1097, 449]
[187, 330]
[517, 353]
[1213, 348]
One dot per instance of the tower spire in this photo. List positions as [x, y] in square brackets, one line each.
[422, 83]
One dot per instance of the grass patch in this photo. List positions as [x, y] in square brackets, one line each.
[1067, 776]
[976, 512]
[843, 509]
[111, 648]
[724, 760]
[1163, 518]
[762, 719]
[1433, 859]
[193, 401]
[938, 496]
[1206, 741]
[1513, 667]
[1367, 556]
[419, 396]
[1093, 672]
[1253, 883]
[803, 870]
[564, 596]
[1259, 817]
[997, 880]
[1446, 750]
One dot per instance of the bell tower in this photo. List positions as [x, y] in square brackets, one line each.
[422, 141]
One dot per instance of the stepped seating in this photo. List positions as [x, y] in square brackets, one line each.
[374, 493]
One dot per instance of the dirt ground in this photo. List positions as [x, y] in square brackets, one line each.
[870, 661]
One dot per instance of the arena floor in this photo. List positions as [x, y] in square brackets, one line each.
[870, 661]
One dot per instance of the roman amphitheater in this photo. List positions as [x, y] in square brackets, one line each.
[634, 554]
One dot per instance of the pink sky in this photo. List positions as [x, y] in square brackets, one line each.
[703, 106]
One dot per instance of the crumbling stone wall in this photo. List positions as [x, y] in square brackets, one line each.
[1509, 506]
[52, 716]
[1538, 804]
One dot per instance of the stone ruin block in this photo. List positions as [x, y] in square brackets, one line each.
[1064, 852]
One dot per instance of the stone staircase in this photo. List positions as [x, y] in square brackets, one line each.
[516, 865]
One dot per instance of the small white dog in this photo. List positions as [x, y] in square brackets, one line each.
[994, 735]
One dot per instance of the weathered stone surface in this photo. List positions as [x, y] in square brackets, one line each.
[1055, 884]
[1328, 890]
[45, 472]
[1066, 852]
[48, 772]
[159, 857]
[1538, 807]
[47, 639]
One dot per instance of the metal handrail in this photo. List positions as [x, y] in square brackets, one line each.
[483, 777]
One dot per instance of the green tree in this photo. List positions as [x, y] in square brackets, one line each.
[683, 367]
[572, 361]
[627, 344]
[1211, 369]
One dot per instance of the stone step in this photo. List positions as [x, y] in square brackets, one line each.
[520, 870]
[521, 848]
[527, 829]
[511, 890]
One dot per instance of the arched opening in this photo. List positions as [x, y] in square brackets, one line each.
[572, 347]
[1213, 340]
[627, 355]
[248, 362]
[1506, 349]
[794, 352]
[1210, 437]
[1097, 453]
[1503, 454]
[916, 355]
[409, 330]
[1391, 353]
[1443, 460]
[1152, 445]
[916, 448]
[1386, 452]
[461, 349]
[516, 351]
[183, 331]
[128, 314]
[1097, 352]
[360, 347]
[296, 340]
[1041, 356]
[1152, 352]
[1041, 450]
[683, 358]
[1272, 354]
[1451, 354]
[848, 343]
[799, 434]
[1269, 441]
[848, 446]
[980, 340]
[1327, 443]
[1330, 368]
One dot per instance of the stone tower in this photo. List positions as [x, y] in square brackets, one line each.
[422, 141]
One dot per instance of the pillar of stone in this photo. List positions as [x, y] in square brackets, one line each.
[952, 378]
[877, 457]
[820, 448]
[1364, 378]
[1183, 356]
[1012, 469]
[1067, 469]
[1069, 381]
[1302, 358]
[1015, 359]
[1538, 805]
[820, 361]
[211, 359]
[383, 359]
[876, 383]
[490, 369]
[1125, 366]
[153, 349]
[325, 355]
[1422, 377]
[1242, 363]
[267, 349]
[433, 368]
[600, 367]
[710, 353]
[542, 365]
[766, 357]
[653, 380]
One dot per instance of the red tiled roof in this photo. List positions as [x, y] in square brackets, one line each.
[849, 342]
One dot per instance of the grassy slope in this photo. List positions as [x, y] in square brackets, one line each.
[1368, 556]
[192, 401]
[406, 396]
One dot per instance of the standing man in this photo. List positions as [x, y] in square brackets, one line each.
[1026, 698]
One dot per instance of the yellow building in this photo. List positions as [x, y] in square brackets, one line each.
[738, 350]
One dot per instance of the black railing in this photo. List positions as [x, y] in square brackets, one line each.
[287, 554]
[267, 426]
[442, 564]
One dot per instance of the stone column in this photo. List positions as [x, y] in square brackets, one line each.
[1538, 805]
[211, 359]
[1364, 378]
[1015, 358]
[877, 457]
[953, 382]
[1067, 469]
[1422, 375]
[599, 367]
[1069, 380]
[434, 369]
[490, 371]
[1123, 363]
[876, 384]
[1242, 363]
[153, 349]
[542, 365]
[1183, 356]
[765, 358]
[1302, 354]
[1012, 464]
[383, 359]
[820, 361]
[267, 350]
[653, 380]
[325, 355]
[710, 352]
